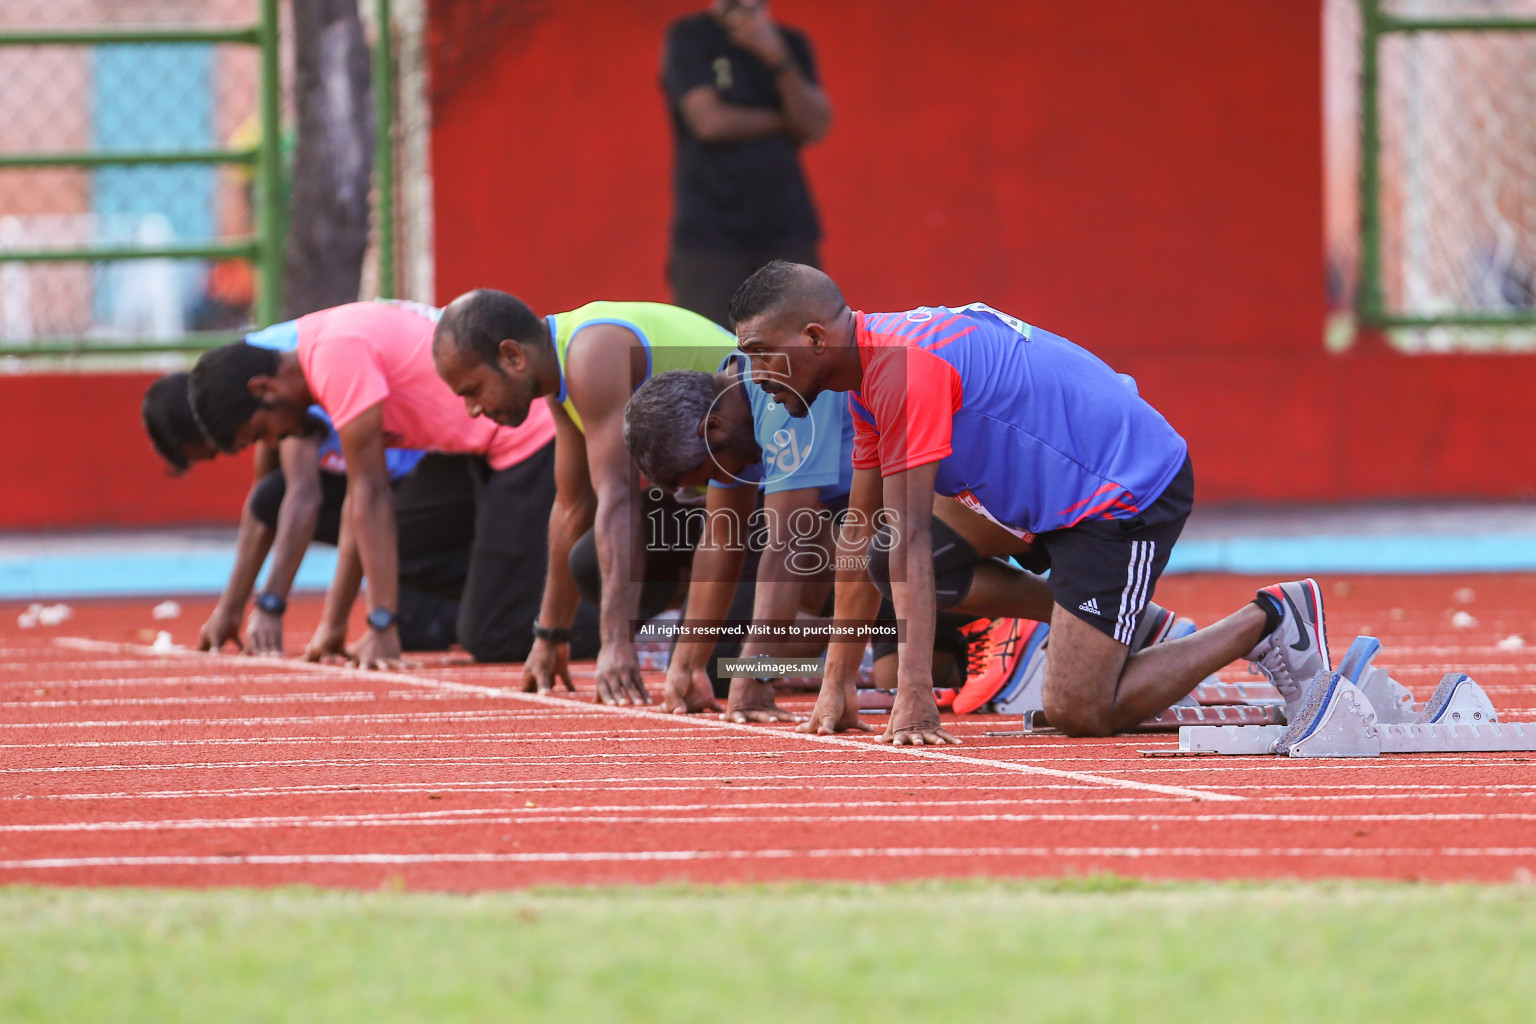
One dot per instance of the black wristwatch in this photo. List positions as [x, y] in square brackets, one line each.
[763, 678]
[381, 619]
[271, 603]
[554, 636]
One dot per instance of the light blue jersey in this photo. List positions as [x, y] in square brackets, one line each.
[284, 337]
[814, 451]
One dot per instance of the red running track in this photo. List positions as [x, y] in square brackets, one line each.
[122, 766]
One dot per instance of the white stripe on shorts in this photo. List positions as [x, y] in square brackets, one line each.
[1133, 598]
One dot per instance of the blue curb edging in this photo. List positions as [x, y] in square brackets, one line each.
[46, 577]
[109, 574]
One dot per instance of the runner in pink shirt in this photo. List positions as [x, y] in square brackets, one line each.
[369, 365]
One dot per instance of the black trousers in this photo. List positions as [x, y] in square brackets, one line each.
[665, 568]
[704, 281]
[508, 561]
[434, 517]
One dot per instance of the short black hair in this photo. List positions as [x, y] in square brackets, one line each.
[168, 419]
[780, 285]
[220, 389]
[481, 320]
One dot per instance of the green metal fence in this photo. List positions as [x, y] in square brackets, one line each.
[75, 230]
[142, 173]
[1447, 166]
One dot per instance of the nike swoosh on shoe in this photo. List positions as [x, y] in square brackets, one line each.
[1304, 641]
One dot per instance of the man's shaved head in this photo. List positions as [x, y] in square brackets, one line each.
[792, 320]
[478, 321]
[786, 290]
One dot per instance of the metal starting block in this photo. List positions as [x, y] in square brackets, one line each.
[1182, 716]
[1218, 692]
[1360, 711]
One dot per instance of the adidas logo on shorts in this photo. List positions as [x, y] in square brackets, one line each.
[1091, 606]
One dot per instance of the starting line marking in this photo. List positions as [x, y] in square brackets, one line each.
[627, 856]
[648, 816]
[1091, 779]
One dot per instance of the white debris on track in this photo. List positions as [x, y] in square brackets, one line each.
[44, 615]
[163, 642]
[1511, 643]
[1463, 620]
[166, 610]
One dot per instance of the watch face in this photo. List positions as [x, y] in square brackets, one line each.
[271, 604]
[381, 618]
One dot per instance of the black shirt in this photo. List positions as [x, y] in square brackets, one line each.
[734, 196]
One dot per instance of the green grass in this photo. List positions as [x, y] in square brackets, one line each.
[1094, 949]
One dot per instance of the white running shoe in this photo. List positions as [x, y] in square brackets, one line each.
[1298, 648]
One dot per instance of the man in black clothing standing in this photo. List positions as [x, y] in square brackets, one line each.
[744, 97]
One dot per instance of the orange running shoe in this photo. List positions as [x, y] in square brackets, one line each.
[996, 646]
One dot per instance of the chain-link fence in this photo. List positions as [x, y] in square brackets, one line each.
[134, 128]
[141, 169]
[1446, 208]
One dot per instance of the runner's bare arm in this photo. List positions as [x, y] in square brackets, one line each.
[856, 601]
[330, 639]
[572, 515]
[251, 546]
[716, 572]
[371, 504]
[776, 598]
[296, 519]
[600, 374]
[909, 503]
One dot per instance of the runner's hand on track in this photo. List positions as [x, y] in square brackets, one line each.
[688, 691]
[378, 649]
[221, 628]
[836, 710]
[328, 643]
[264, 634]
[752, 700]
[934, 737]
[915, 719]
[547, 664]
[618, 676]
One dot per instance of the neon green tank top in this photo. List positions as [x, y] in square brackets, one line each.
[674, 339]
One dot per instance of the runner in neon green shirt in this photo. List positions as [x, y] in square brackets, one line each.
[499, 357]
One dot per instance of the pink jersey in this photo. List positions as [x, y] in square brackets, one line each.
[364, 353]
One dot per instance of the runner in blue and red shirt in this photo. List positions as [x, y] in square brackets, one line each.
[1051, 455]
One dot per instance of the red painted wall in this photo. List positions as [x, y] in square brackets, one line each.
[76, 456]
[1144, 177]
[1142, 180]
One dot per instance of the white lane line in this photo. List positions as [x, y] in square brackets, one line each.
[642, 815]
[1087, 778]
[357, 697]
[1332, 765]
[578, 784]
[158, 682]
[488, 715]
[851, 853]
[822, 784]
[610, 808]
[801, 757]
[396, 739]
[95, 664]
[611, 758]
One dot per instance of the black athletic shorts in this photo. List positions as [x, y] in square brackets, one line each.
[1105, 570]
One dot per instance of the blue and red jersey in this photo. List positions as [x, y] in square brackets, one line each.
[1028, 429]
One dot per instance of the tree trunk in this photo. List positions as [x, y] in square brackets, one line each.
[328, 211]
